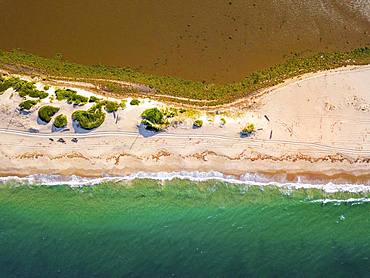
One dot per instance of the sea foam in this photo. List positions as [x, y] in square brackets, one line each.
[246, 179]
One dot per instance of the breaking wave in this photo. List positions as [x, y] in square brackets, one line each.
[247, 179]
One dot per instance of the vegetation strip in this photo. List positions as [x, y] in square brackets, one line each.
[213, 94]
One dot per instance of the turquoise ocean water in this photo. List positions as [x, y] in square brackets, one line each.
[146, 228]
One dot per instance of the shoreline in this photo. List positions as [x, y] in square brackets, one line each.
[311, 140]
[247, 180]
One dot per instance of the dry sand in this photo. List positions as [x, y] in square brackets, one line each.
[317, 126]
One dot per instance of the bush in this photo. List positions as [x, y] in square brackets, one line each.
[47, 112]
[135, 102]
[110, 106]
[46, 87]
[123, 104]
[71, 96]
[154, 119]
[249, 128]
[27, 104]
[198, 123]
[38, 94]
[223, 121]
[60, 121]
[94, 99]
[24, 88]
[91, 118]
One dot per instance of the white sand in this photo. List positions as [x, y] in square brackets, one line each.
[320, 123]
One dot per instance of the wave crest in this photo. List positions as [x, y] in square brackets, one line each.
[246, 179]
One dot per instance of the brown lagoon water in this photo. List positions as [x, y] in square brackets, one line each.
[213, 40]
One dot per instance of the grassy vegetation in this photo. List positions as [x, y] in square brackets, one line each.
[47, 112]
[60, 121]
[198, 123]
[23, 87]
[171, 86]
[91, 118]
[27, 104]
[71, 96]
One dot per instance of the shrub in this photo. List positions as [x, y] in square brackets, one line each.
[110, 106]
[249, 128]
[38, 94]
[47, 112]
[71, 96]
[135, 102]
[91, 118]
[154, 119]
[23, 87]
[198, 123]
[94, 99]
[223, 121]
[46, 87]
[60, 121]
[123, 104]
[27, 104]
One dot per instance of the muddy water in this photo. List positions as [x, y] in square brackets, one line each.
[213, 40]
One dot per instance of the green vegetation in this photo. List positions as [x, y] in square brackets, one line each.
[204, 93]
[94, 99]
[123, 104]
[154, 119]
[23, 87]
[71, 96]
[135, 102]
[110, 106]
[60, 121]
[46, 87]
[249, 129]
[47, 112]
[27, 104]
[223, 121]
[198, 123]
[91, 118]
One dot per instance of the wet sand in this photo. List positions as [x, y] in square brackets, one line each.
[212, 40]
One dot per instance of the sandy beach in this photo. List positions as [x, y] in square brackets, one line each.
[316, 126]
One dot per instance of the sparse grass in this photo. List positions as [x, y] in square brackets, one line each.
[171, 86]
[60, 121]
[47, 112]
